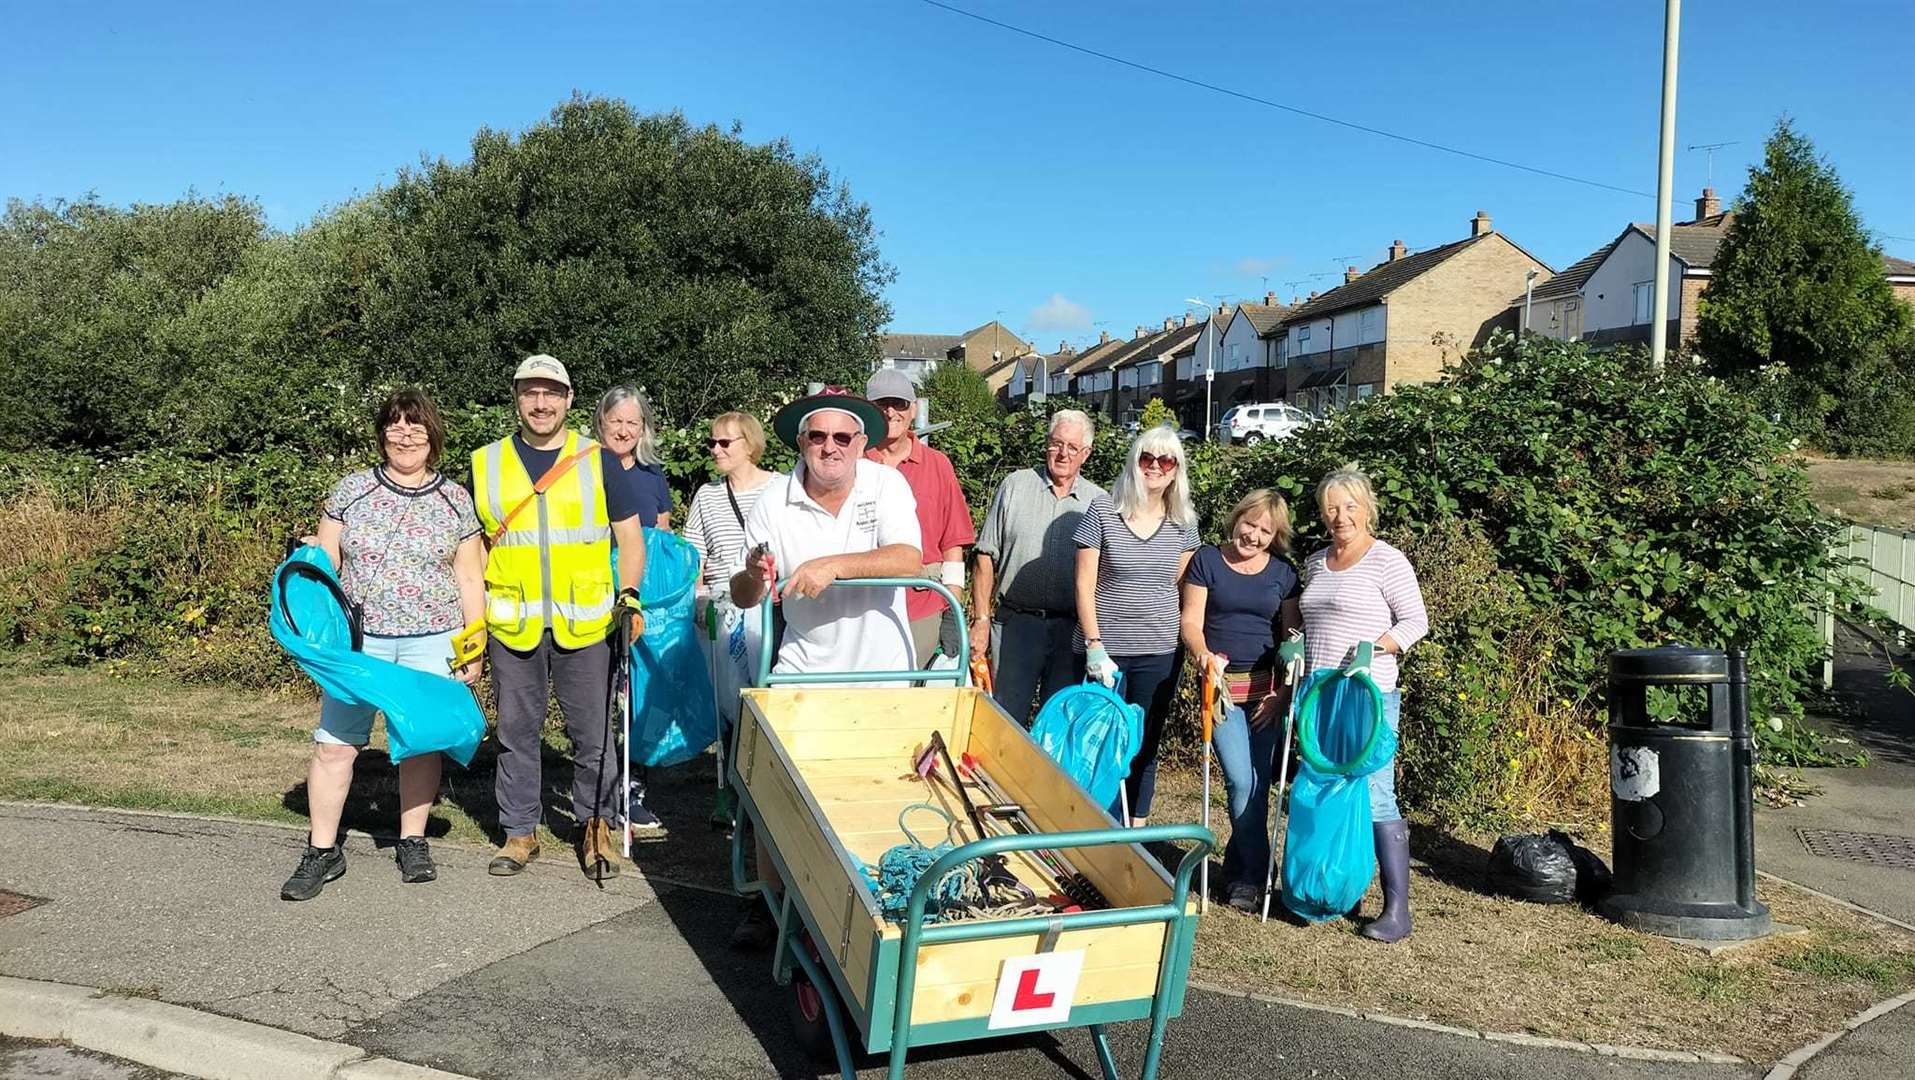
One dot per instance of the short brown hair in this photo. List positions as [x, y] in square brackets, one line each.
[749, 427]
[1263, 501]
[414, 406]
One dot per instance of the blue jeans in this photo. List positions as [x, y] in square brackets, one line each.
[1249, 759]
[1030, 660]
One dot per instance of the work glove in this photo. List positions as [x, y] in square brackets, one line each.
[1291, 653]
[630, 609]
[1099, 666]
[1359, 662]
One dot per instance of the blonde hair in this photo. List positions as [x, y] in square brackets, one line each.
[1351, 479]
[1263, 501]
[1128, 493]
[749, 429]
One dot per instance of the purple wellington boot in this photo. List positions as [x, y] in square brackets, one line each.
[1393, 866]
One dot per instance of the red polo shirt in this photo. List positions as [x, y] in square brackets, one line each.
[943, 518]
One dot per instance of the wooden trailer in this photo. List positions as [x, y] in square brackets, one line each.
[822, 774]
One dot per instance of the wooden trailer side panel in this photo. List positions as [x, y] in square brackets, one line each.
[958, 980]
[1055, 804]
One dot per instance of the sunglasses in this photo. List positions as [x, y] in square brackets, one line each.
[1163, 463]
[719, 444]
[817, 438]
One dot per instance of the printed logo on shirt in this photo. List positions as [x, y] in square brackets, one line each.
[866, 518]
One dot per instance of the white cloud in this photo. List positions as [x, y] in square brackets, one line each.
[1058, 313]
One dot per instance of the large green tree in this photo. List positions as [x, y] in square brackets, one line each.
[85, 292]
[717, 273]
[1797, 283]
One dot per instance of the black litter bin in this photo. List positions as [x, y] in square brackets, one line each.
[1680, 799]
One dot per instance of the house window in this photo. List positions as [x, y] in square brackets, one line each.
[1364, 390]
[1369, 325]
[1645, 302]
[1303, 333]
[1230, 359]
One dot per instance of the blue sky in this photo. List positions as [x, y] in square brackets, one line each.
[1007, 175]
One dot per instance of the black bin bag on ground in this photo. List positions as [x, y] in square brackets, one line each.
[1546, 868]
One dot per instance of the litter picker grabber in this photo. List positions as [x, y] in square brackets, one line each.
[619, 704]
[1293, 674]
[1210, 715]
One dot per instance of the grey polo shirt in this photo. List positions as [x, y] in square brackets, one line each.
[1028, 533]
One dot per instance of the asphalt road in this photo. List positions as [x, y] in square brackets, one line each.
[23, 1060]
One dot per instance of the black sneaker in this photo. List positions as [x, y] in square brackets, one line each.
[757, 931]
[316, 868]
[415, 860]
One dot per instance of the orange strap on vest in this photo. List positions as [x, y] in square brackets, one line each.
[552, 476]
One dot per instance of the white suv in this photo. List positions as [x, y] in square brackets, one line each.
[1252, 424]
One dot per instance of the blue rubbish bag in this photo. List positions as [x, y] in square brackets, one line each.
[1329, 852]
[314, 622]
[1092, 733]
[673, 716]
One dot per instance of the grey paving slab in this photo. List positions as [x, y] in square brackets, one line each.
[657, 992]
[189, 912]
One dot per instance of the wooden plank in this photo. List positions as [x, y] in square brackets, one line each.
[1055, 804]
[813, 867]
[973, 1000]
[955, 962]
[918, 710]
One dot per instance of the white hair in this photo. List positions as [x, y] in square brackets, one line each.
[1356, 484]
[1128, 493]
[1073, 416]
[646, 452]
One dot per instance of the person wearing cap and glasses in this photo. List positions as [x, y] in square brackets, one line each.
[551, 507]
[836, 516]
[943, 518]
[1024, 590]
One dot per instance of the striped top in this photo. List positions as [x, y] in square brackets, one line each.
[1377, 596]
[717, 533]
[1137, 579]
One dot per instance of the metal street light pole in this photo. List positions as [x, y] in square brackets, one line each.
[1665, 177]
[1529, 290]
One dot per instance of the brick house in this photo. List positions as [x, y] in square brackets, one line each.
[1150, 372]
[1608, 297]
[1402, 320]
[1096, 382]
[985, 349]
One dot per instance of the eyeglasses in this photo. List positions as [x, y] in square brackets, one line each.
[719, 444]
[1064, 449]
[534, 393]
[817, 438]
[1162, 463]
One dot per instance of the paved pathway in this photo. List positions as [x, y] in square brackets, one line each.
[23, 1060]
[545, 975]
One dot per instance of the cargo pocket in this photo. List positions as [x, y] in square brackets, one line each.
[505, 606]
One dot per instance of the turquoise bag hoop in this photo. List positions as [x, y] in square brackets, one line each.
[1307, 747]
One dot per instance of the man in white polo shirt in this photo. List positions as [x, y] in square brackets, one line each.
[836, 516]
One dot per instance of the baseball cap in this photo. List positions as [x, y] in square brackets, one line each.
[541, 366]
[890, 383]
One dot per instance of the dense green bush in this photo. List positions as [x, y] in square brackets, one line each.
[1629, 506]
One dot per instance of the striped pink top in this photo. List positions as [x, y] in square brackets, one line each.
[1377, 596]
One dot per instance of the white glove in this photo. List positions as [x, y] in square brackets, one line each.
[1099, 666]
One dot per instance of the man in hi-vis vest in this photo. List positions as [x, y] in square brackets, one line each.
[550, 520]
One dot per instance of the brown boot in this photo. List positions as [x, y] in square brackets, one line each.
[513, 857]
[598, 851]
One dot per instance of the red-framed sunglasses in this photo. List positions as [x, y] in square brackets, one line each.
[1164, 462]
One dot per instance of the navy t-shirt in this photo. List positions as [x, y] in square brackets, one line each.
[621, 498]
[646, 487]
[1240, 610]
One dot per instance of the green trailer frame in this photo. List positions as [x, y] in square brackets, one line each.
[886, 1026]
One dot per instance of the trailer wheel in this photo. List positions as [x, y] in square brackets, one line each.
[806, 1008]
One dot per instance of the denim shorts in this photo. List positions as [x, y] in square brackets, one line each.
[351, 725]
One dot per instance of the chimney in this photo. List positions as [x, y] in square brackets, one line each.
[1270, 298]
[1186, 318]
[1708, 206]
[1295, 300]
[1479, 225]
[1142, 332]
[1103, 337]
[1351, 273]
[1313, 294]
[1170, 322]
[1397, 250]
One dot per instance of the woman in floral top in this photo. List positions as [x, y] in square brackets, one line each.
[406, 544]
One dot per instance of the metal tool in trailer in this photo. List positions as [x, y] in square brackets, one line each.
[882, 1002]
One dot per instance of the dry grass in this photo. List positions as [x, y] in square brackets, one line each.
[47, 529]
[1502, 965]
[1870, 492]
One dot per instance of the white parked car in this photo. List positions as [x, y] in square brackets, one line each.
[1251, 424]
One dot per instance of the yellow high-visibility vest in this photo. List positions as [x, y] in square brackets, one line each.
[551, 568]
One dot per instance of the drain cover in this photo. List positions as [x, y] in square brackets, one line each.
[1881, 849]
[13, 903]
